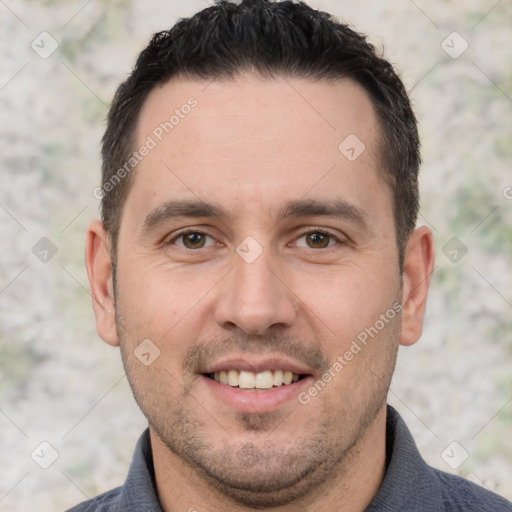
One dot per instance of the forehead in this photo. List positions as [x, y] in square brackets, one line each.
[257, 141]
[318, 110]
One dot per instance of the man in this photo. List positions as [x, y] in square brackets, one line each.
[258, 264]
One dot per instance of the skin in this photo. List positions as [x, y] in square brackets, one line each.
[250, 146]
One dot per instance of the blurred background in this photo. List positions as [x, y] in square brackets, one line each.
[68, 422]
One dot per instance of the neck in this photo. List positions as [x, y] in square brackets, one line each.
[351, 489]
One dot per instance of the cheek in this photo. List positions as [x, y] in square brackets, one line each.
[347, 299]
[169, 306]
[151, 289]
[345, 312]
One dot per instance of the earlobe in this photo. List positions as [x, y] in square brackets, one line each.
[418, 268]
[99, 270]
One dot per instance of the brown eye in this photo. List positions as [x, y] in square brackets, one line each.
[317, 240]
[192, 240]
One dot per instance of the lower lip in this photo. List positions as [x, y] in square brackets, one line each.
[256, 401]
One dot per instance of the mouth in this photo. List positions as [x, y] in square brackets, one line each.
[252, 381]
[255, 384]
[251, 392]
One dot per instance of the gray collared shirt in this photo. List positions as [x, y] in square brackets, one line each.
[409, 485]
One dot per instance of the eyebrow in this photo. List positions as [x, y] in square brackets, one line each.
[180, 209]
[338, 208]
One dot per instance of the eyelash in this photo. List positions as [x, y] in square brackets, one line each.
[309, 232]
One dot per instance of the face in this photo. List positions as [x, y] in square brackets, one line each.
[261, 263]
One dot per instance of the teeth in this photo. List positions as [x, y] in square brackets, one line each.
[233, 377]
[247, 380]
[264, 380]
[250, 380]
[278, 377]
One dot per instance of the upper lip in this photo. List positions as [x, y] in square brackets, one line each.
[256, 365]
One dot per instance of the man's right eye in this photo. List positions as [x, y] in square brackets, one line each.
[192, 240]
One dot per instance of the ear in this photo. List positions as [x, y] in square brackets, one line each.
[99, 270]
[418, 268]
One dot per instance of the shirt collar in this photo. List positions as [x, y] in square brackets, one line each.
[409, 483]
[139, 490]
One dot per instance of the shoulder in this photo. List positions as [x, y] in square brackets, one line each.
[138, 491]
[106, 502]
[411, 484]
[459, 494]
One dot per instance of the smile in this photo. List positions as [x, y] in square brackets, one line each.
[243, 379]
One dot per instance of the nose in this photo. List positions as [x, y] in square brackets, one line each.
[254, 298]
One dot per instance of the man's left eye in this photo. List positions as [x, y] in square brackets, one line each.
[317, 240]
